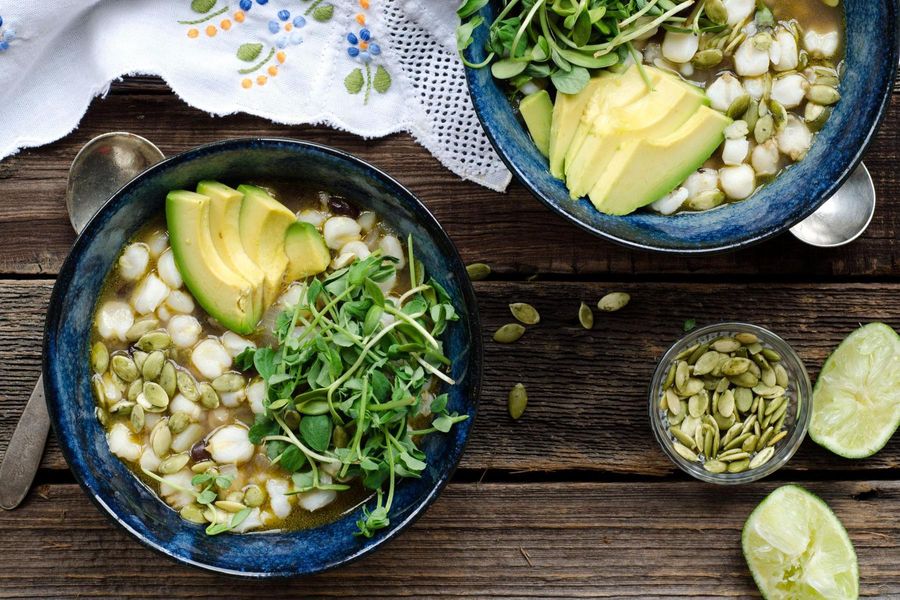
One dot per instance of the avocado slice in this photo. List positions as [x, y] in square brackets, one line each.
[645, 170]
[262, 224]
[616, 90]
[222, 293]
[224, 223]
[306, 251]
[537, 110]
[659, 112]
[567, 112]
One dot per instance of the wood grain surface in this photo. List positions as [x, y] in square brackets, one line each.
[575, 500]
[488, 540]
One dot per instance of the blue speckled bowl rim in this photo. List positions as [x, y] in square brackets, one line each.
[454, 263]
[856, 158]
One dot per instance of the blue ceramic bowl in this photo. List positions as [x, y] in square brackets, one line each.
[871, 63]
[106, 479]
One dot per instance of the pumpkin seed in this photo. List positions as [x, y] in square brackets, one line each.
[708, 58]
[228, 382]
[509, 333]
[682, 437]
[708, 441]
[167, 379]
[124, 368]
[478, 271]
[153, 365]
[179, 421]
[670, 377]
[762, 457]
[673, 402]
[749, 422]
[705, 200]
[585, 316]
[764, 438]
[156, 340]
[743, 399]
[99, 358]
[525, 313]
[779, 423]
[738, 441]
[715, 466]
[781, 375]
[746, 338]
[137, 419]
[815, 115]
[726, 345]
[823, 94]
[724, 422]
[749, 444]
[122, 407]
[192, 513]
[726, 403]
[187, 386]
[774, 405]
[517, 401]
[155, 394]
[687, 352]
[764, 128]
[738, 106]
[735, 366]
[752, 115]
[733, 431]
[208, 396]
[613, 301]
[139, 356]
[254, 496]
[768, 377]
[99, 392]
[777, 438]
[692, 386]
[771, 355]
[706, 363]
[140, 328]
[161, 438]
[739, 466]
[682, 372]
[230, 506]
[102, 416]
[779, 113]
[135, 389]
[203, 466]
[716, 11]
[685, 452]
[698, 404]
[680, 417]
[174, 463]
[747, 380]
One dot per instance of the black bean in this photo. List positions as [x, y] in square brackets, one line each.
[199, 452]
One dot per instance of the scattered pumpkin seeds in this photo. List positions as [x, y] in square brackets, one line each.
[99, 358]
[585, 316]
[725, 402]
[478, 271]
[509, 333]
[613, 301]
[525, 313]
[518, 401]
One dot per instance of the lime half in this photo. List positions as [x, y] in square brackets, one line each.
[856, 401]
[797, 549]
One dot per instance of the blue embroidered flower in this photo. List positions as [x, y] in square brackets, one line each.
[362, 46]
[299, 21]
[6, 36]
[246, 4]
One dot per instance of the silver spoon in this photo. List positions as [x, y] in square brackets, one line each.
[844, 216]
[101, 167]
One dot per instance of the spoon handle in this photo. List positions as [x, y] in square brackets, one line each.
[23, 455]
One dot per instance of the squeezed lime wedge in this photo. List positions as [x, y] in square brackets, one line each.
[856, 401]
[798, 550]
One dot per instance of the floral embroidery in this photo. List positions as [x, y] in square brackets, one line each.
[205, 8]
[7, 35]
[363, 48]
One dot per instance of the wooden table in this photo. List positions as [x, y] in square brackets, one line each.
[575, 500]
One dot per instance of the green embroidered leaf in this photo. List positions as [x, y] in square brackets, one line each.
[202, 6]
[354, 81]
[249, 52]
[382, 81]
[323, 13]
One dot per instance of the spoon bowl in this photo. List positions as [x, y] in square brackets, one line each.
[101, 167]
[844, 216]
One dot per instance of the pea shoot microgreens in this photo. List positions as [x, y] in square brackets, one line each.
[564, 40]
[350, 369]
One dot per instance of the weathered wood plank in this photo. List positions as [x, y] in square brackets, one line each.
[587, 390]
[512, 231]
[589, 540]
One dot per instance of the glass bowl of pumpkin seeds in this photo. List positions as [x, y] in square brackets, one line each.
[730, 403]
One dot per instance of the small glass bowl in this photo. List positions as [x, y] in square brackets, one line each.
[798, 415]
